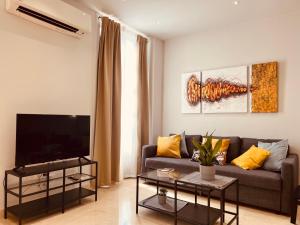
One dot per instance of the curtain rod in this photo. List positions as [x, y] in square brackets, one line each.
[102, 14]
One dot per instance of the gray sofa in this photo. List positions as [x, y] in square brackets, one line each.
[259, 188]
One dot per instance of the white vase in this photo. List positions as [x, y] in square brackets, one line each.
[207, 172]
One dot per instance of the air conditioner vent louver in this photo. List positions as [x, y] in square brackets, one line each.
[53, 14]
[46, 19]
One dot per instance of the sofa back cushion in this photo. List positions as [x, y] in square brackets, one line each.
[234, 147]
[189, 143]
[248, 142]
[232, 152]
[278, 151]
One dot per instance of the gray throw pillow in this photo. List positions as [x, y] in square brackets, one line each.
[183, 149]
[278, 152]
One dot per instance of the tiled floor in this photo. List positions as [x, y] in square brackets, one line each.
[116, 206]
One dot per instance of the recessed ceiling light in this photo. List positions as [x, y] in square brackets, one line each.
[157, 22]
[236, 2]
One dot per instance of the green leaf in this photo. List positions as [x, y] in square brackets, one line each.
[207, 144]
[217, 147]
[207, 153]
[196, 144]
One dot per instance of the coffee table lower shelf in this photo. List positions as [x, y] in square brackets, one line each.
[186, 211]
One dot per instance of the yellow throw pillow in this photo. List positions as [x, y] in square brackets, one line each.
[169, 146]
[224, 146]
[252, 158]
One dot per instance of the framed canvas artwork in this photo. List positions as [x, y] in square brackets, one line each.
[264, 87]
[225, 90]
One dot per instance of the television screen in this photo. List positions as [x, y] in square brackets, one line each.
[44, 138]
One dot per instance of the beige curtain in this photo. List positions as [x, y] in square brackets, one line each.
[108, 104]
[143, 99]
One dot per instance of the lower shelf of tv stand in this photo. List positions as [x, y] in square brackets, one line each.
[44, 205]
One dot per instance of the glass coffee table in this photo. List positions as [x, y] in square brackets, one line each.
[191, 212]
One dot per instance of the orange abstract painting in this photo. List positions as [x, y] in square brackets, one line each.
[264, 87]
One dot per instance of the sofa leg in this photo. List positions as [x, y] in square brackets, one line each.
[294, 206]
[294, 214]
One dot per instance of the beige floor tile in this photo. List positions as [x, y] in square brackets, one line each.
[116, 206]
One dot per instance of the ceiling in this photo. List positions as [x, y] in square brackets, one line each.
[167, 19]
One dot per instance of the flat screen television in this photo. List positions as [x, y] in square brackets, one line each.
[43, 138]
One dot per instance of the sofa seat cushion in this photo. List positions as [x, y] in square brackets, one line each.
[252, 178]
[183, 165]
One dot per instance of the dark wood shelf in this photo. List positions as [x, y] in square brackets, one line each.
[14, 190]
[44, 205]
[168, 208]
[192, 213]
[198, 214]
[49, 167]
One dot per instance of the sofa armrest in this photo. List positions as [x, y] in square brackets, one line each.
[289, 176]
[148, 151]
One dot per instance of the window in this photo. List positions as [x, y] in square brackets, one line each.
[129, 58]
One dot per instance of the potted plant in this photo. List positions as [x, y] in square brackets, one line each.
[206, 157]
[162, 196]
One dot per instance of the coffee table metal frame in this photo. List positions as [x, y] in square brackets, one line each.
[193, 213]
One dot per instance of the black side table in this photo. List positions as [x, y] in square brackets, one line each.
[294, 205]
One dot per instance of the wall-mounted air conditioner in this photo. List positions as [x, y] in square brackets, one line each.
[54, 14]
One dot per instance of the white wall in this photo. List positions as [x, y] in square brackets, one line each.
[276, 38]
[42, 71]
